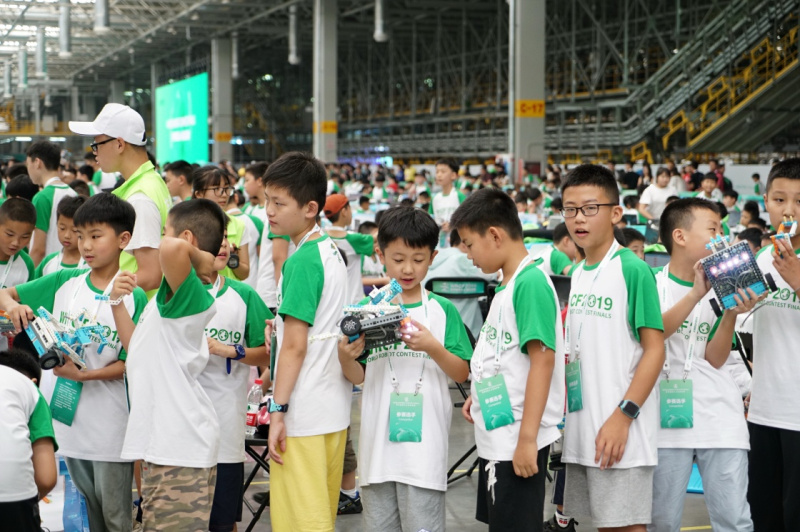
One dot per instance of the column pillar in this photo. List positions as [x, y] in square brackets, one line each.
[326, 126]
[221, 100]
[526, 102]
[116, 92]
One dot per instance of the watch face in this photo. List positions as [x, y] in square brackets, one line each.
[233, 261]
[631, 409]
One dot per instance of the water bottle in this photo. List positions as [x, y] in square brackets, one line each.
[253, 400]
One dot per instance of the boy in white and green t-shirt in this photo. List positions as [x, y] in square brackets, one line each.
[404, 463]
[172, 425]
[69, 256]
[517, 398]
[236, 339]
[310, 412]
[353, 245]
[90, 406]
[708, 425]
[17, 222]
[615, 348]
[445, 202]
[43, 158]
[559, 258]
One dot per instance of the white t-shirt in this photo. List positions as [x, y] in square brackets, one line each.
[46, 202]
[99, 425]
[774, 401]
[265, 285]
[311, 290]
[259, 211]
[354, 246]
[239, 320]
[656, 199]
[54, 262]
[611, 308]
[13, 272]
[443, 206]
[718, 410]
[24, 418]
[147, 229]
[553, 261]
[172, 421]
[529, 310]
[422, 464]
[251, 238]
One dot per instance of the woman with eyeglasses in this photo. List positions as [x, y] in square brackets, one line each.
[213, 183]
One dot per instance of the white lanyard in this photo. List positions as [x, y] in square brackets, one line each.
[418, 385]
[613, 249]
[84, 280]
[7, 270]
[498, 346]
[666, 301]
[315, 229]
[215, 287]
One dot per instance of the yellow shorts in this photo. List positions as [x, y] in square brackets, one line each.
[304, 491]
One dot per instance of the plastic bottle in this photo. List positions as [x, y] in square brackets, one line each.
[253, 400]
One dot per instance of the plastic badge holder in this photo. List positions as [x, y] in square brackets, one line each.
[731, 268]
[379, 320]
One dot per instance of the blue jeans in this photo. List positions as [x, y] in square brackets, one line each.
[724, 473]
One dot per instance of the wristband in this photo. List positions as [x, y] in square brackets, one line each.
[240, 354]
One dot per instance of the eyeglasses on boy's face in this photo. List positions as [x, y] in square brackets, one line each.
[96, 145]
[587, 210]
[221, 191]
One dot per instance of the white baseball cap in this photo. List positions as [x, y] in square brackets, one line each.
[115, 120]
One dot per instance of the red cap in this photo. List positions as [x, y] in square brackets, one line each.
[334, 204]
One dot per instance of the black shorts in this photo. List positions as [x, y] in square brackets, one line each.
[21, 516]
[518, 503]
[227, 507]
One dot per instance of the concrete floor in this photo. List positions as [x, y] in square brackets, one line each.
[461, 494]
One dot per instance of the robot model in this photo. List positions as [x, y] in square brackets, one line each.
[786, 231]
[55, 341]
[731, 268]
[379, 319]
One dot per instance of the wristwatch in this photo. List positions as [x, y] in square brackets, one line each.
[272, 406]
[629, 408]
[239, 355]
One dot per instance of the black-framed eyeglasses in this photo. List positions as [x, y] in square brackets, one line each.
[95, 145]
[587, 210]
[222, 191]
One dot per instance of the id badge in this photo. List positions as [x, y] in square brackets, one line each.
[677, 409]
[405, 417]
[574, 389]
[494, 402]
[64, 402]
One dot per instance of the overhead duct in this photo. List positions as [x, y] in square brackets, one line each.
[235, 55]
[41, 53]
[380, 34]
[7, 80]
[294, 57]
[65, 30]
[101, 18]
[22, 67]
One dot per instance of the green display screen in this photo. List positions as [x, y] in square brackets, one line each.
[182, 120]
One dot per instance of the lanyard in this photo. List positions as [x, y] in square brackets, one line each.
[7, 270]
[215, 287]
[666, 302]
[499, 342]
[81, 263]
[315, 229]
[610, 253]
[418, 385]
[84, 280]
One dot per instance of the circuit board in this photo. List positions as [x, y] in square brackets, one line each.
[733, 268]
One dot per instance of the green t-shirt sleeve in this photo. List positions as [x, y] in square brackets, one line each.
[189, 299]
[362, 244]
[97, 177]
[455, 337]
[430, 206]
[40, 424]
[39, 271]
[42, 292]
[43, 203]
[461, 197]
[644, 307]
[272, 235]
[257, 312]
[535, 307]
[303, 279]
[559, 261]
[139, 302]
[29, 264]
[259, 227]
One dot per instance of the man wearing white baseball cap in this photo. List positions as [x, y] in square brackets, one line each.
[119, 146]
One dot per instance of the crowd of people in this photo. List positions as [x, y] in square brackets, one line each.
[197, 273]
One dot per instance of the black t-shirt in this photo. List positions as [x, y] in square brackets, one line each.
[630, 180]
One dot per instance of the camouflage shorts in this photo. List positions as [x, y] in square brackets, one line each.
[176, 498]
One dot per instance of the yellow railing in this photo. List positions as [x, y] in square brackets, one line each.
[640, 152]
[763, 65]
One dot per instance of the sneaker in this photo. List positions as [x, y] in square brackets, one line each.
[260, 497]
[552, 525]
[349, 506]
